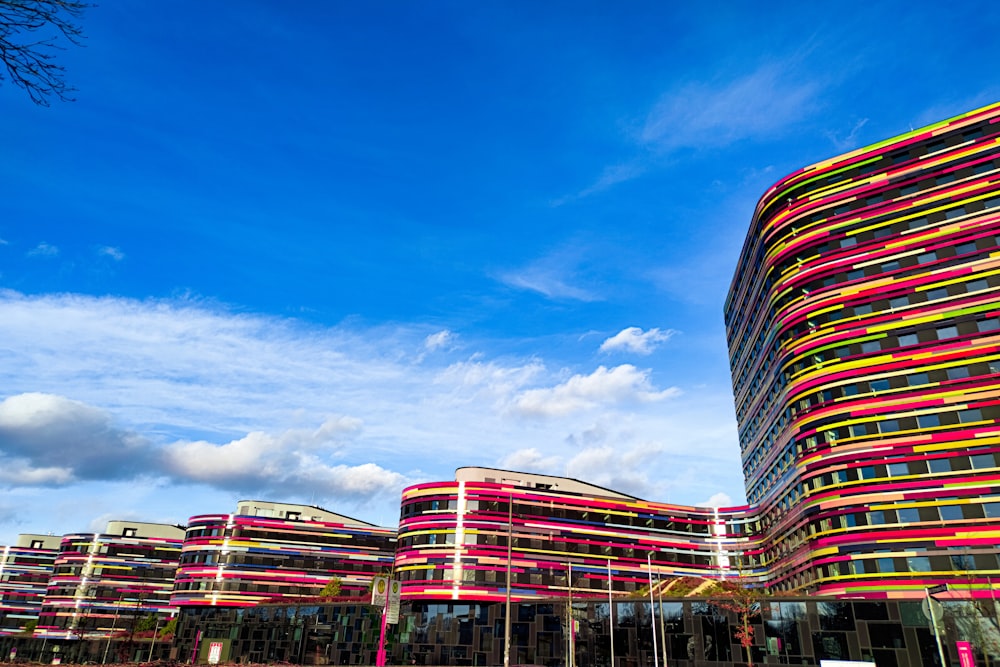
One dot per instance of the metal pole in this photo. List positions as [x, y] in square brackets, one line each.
[571, 655]
[611, 616]
[937, 635]
[663, 629]
[114, 624]
[510, 536]
[152, 644]
[652, 612]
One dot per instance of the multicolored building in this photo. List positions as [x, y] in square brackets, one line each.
[25, 569]
[558, 537]
[104, 584]
[274, 552]
[864, 335]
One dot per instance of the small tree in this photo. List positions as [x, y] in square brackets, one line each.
[736, 596]
[332, 588]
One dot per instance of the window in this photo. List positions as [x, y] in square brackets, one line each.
[863, 309]
[928, 421]
[935, 294]
[899, 302]
[848, 242]
[898, 469]
[876, 518]
[988, 325]
[889, 426]
[947, 332]
[951, 513]
[129, 532]
[907, 339]
[957, 373]
[926, 257]
[880, 385]
[981, 461]
[890, 266]
[965, 248]
[916, 379]
[973, 415]
[870, 346]
[976, 285]
[991, 510]
[918, 564]
[940, 465]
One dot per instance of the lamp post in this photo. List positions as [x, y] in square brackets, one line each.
[652, 613]
[611, 616]
[506, 625]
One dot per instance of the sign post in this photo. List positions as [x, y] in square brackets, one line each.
[380, 597]
[934, 611]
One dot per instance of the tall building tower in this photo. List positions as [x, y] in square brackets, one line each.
[865, 352]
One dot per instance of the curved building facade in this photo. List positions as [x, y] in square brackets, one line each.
[275, 552]
[25, 569]
[865, 351]
[105, 583]
[564, 538]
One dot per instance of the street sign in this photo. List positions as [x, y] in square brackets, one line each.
[936, 590]
[932, 609]
[379, 586]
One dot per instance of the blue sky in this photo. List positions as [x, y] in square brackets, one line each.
[315, 252]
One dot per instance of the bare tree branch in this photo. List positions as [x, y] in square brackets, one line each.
[30, 32]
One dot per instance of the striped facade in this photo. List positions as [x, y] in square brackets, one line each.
[273, 552]
[25, 569]
[103, 584]
[566, 538]
[865, 351]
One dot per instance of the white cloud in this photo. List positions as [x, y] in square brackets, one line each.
[719, 499]
[50, 439]
[439, 340]
[186, 401]
[707, 114]
[532, 460]
[43, 249]
[634, 339]
[850, 141]
[112, 252]
[3, 242]
[603, 387]
[557, 275]
[618, 468]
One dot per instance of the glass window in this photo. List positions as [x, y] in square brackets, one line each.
[965, 248]
[876, 518]
[958, 373]
[886, 565]
[976, 285]
[898, 469]
[939, 465]
[947, 332]
[870, 346]
[962, 562]
[915, 379]
[988, 325]
[890, 266]
[908, 515]
[928, 421]
[879, 385]
[866, 472]
[974, 415]
[889, 426]
[926, 257]
[907, 339]
[899, 302]
[863, 309]
[935, 294]
[848, 242]
[981, 461]
[951, 513]
[991, 510]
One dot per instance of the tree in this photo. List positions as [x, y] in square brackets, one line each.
[736, 596]
[332, 588]
[30, 32]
